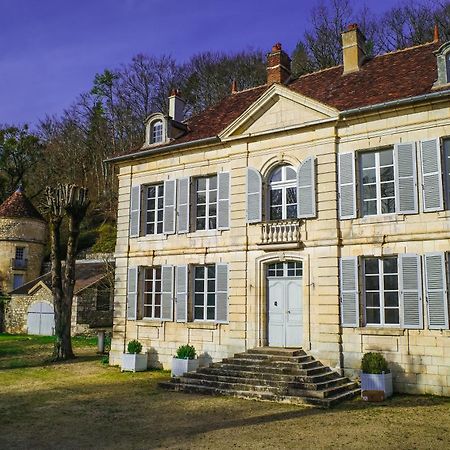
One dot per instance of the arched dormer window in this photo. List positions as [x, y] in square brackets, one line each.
[443, 64]
[156, 131]
[282, 193]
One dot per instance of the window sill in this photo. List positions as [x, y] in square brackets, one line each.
[381, 331]
[382, 218]
[149, 323]
[152, 237]
[203, 325]
[204, 233]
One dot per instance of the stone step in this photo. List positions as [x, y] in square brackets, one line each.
[280, 358]
[291, 370]
[319, 385]
[271, 363]
[277, 351]
[335, 399]
[323, 393]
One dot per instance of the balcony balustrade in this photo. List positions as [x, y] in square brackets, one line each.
[282, 232]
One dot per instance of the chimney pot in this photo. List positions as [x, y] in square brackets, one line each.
[234, 88]
[436, 33]
[278, 65]
[353, 43]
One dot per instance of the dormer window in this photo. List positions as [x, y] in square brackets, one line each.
[156, 132]
[443, 64]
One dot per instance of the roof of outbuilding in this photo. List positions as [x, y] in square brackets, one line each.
[87, 273]
[17, 205]
[398, 75]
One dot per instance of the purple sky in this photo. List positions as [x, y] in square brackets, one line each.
[50, 50]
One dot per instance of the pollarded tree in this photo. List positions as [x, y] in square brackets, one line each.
[71, 202]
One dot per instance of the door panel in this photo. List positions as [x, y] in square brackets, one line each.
[294, 317]
[41, 319]
[276, 312]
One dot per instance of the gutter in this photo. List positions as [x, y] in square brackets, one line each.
[400, 102]
[167, 148]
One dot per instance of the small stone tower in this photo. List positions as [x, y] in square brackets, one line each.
[23, 235]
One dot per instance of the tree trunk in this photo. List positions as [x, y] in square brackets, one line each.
[63, 311]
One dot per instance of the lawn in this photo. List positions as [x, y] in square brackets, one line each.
[84, 404]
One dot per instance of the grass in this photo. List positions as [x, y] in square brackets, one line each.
[84, 404]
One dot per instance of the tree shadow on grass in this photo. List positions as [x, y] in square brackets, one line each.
[21, 363]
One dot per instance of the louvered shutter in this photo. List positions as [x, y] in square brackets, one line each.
[183, 200]
[436, 290]
[405, 178]
[410, 291]
[306, 189]
[223, 201]
[182, 293]
[132, 293]
[432, 192]
[349, 291]
[167, 293]
[222, 293]
[347, 185]
[169, 206]
[254, 196]
[135, 211]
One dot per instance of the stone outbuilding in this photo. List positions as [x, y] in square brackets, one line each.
[31, 311]
[23, 235]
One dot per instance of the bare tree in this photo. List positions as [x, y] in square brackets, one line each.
[72, 202]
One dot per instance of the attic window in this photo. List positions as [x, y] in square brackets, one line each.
[156, 132]
[447, 65]
[443, 64]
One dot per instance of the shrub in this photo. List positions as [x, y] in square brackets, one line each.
[374, 363]
[134, 346]
[105, 360]
[106, 240]
[186, 352]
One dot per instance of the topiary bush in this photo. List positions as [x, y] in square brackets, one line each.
[134, 346]
[186, 352]
[375, 363]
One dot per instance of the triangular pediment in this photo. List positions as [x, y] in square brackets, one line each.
[277, 109]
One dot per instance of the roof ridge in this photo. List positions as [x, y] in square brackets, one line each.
[400, 50]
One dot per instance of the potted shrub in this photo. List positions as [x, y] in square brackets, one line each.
[375, 374]
[134, 361]
[184, 361]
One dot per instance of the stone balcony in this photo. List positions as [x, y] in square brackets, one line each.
[281, 234]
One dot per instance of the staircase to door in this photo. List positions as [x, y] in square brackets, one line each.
[273, 374]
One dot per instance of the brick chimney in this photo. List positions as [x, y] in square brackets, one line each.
[353, 43]
[176, 105]
[278, 65]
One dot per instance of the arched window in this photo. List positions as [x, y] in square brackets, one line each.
[156, 132]
[283, 193]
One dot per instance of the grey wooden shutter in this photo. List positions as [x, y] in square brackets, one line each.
[432, 192]
[222, 293]
[167, 293]
[306, 188]
[182, 293]
[223, 201]
[410, 291]
[135, 211]
[347, 185]
[405, 178]
[349, 291]
[169, 206]
[436, 290]
[254, 196]
[132, 293]
[183, 201]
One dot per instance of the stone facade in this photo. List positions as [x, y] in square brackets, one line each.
[287, 128]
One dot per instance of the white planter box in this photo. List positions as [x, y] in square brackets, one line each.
[134, 362]
[377, 382]
[181, 366]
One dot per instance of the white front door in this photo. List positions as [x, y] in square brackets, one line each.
[285, 306]
[41, 319]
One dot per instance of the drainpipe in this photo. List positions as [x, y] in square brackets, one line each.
[246, 265]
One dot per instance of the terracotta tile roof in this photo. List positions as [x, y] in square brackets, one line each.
[393, 76]
[402, 74]
[87, 273]
[18, 206]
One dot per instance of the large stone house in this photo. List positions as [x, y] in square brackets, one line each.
[310, 212]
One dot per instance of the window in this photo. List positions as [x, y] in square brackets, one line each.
[206, 203]
[156, 132]
[381, 297]
[447, 65]
[154, 208]
[446, 165]
[18, 280]
[378, 182]
[152, 293]
[287, 269]
[20, 253]
[205, 292]
[103, 299]
[283, 193]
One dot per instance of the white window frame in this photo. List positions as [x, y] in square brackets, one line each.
[152, 294]
[208, 202]
[156, 132]
[445, 149]
[377, 183]
[205, 292]
[284, 184]
[155, 210]
[381, 291]
[285, 269]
